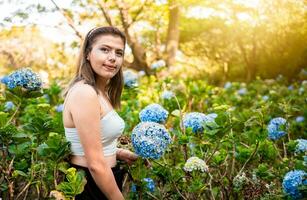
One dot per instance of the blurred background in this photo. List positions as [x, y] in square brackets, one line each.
[220, 40]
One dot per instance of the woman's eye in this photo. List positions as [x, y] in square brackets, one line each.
[104, 50]
[119, 54]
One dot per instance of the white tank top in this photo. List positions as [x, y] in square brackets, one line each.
[111, 127]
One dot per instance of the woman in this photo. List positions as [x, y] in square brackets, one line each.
[91, 123]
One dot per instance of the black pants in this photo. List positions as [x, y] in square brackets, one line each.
[91, 190]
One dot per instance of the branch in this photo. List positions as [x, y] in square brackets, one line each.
[138, 12]
[105, 12]
[68, 19]
[123, 14]
[254, 152]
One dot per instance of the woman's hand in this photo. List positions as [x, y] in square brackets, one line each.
[126, 155]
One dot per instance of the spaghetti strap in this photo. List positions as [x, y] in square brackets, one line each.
[104, 103]
[67, 96]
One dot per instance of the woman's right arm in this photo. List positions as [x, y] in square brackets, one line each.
[85, 110]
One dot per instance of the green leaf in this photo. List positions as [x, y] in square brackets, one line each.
[4, 118]
[20, 173]
[176, 113]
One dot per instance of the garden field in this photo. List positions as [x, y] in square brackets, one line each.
[194, 140]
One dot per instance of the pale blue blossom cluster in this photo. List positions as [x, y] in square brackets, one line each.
[301, 146]
[24, 77]
[290, 87]
[133, 188]
[197, 121]
[299, 119]
[292, 181]
[227, 85]
[265, 97]
[9, 105]
[195, 164]
[277, 128]
[153, 113]
[59, 108]
[150, 139]
[158, 64]
[301, 91]
[130, 78]
[150, 184]
[166, 94]
[242, 91]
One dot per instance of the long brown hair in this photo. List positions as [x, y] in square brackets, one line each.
[84, 69]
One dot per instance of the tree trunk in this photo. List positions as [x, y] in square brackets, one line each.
[172, 33]
[251, 68]
[139, 54]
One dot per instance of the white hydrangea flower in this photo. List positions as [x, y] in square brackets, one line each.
[239, 180]
[195, 163]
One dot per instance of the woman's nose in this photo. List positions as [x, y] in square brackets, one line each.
[111, 56]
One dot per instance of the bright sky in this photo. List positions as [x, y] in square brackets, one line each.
[47, 22]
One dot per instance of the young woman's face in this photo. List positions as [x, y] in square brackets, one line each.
[107, 55]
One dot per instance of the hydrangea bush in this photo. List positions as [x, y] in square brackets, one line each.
[150, 184]
[24, 78]
[292, 181]
[301, 145]
[153, 113]
[130, 78]
[245, 161]
[150, 139]
[195, 164]
[277, 128]
[197, 121]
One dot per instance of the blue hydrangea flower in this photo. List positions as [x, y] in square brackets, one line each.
[277, 128]
[301, 145]
[290, 87]
[196, 120]
[265, 97]
[133, 188]
[24, 78]
[5, 80]
[227, 85]
[59, 108]
[167, 95]
[158, 64]
[46, 97]
[141, 73]
[8, 106]
[299, 119]
[242, 91]
[130, 78]
[292, 181]
[150, 184]
[150, 139]
[153, 113]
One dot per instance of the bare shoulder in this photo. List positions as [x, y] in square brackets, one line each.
[82, 90]
[82, 93]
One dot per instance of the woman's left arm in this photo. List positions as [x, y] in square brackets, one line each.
[126, 155]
